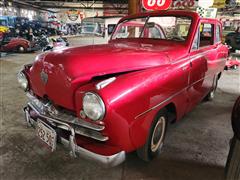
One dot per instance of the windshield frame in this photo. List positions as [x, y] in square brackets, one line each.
[147, 19]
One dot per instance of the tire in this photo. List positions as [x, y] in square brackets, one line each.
[235, 67]
[211, 94]
[21, 49]
[154, 143]
[232, 169]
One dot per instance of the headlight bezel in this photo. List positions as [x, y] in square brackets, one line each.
[21, 76]
[100, 102]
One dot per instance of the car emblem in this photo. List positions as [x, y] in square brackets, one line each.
[44, 77]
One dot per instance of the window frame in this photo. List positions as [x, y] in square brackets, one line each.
[217, 25]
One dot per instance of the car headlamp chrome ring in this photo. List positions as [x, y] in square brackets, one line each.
[23, 81]
[93, 106]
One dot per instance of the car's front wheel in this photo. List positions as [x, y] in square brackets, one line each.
[235, 67]
[156, 137]
[21, 49]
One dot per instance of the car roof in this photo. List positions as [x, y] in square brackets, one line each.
[165, 12]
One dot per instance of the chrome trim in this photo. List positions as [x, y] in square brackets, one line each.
[171, 97]
[109, 161]
[163, 102]
[63, 116]
[101, 103]
[75, 150]
[72, 141]
[78, 130]
[105, 83]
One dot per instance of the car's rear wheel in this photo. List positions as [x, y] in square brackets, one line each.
[154, 143]
[21, 49]
[235, 67]
[212, 93]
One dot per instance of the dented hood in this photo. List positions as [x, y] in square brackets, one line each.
[70, 68]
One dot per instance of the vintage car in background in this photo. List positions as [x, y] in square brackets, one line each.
[104, 101]
[56, 43]
[97, 30]
[233, 40]
[232, 63]
[3, 29]
[10, 44]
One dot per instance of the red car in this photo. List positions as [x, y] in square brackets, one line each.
[104, 101]
[17, 45]
[232, 63]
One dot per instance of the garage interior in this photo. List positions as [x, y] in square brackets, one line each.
[196, 147]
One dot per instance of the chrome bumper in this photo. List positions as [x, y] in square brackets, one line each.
[75, 150]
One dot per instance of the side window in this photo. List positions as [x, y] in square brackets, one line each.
[206, 34]
[218, 34]
[111, 27]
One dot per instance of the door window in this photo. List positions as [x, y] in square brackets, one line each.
[206, 34]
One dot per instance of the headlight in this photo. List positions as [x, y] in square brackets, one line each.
[22, 80]
[93, 106]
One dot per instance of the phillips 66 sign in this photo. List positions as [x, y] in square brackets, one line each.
[156, 4]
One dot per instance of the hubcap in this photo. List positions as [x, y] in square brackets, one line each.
[158, 134]
[21, 49]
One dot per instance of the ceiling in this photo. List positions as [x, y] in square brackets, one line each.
[68, 4]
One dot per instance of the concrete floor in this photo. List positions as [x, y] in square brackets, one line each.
[195, 148]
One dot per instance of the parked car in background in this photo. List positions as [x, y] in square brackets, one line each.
[233, 40]
[56, 43]
[3, 29]
[104, 101]
[232, 63]
[10, 44]
[97, 30]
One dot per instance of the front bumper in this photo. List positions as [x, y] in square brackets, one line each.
[75, 150]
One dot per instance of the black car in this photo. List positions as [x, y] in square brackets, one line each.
[233, 39]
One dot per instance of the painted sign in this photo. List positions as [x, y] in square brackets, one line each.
[73, 14]
[184, 4]
[219, 3]
[152, 5]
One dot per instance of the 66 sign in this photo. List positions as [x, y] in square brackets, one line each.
[156, 4]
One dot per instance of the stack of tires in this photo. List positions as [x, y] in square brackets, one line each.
[233, 162]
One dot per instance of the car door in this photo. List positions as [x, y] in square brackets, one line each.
[200, 56]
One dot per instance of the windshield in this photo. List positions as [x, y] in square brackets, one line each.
[160, 27]
[92, 28]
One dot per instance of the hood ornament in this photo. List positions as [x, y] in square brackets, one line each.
[44, 77]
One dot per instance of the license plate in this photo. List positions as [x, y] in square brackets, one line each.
[47, 134]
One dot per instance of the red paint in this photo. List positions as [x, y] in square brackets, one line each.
[14, 43]
[231, 62]
[152, 5]
[148, 73]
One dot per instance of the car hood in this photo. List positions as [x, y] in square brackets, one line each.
[70, 68]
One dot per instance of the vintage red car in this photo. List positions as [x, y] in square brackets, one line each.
[9, 44]
[232, 63]
[104, 101]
